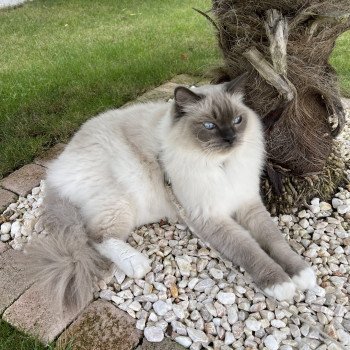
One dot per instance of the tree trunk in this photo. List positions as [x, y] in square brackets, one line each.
[285, 46]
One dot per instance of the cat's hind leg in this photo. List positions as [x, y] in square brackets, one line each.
[133, 263]
[257, 220]
[109, 224]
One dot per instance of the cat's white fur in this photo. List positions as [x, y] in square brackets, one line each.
[98, 164]
[128, 259]
[215, 185]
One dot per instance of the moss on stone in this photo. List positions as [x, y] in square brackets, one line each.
[101, 326]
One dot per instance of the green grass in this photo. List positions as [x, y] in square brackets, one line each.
[341, 61]
[11, 339]
[62, 62]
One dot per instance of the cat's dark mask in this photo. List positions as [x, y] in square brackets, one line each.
[215, 121]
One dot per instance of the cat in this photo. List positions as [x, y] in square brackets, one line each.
[110, 180]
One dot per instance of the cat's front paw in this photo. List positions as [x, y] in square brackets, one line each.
[305, 279]
[135, 265]
[281, 291]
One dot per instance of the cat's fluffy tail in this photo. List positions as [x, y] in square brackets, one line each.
[64, 261]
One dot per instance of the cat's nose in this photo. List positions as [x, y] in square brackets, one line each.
[229, 138]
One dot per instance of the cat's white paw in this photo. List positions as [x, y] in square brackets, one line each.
[133, 263]
[136, 265]
[282, 291]
[305, 279]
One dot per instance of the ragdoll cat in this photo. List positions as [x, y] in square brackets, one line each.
[110, 180]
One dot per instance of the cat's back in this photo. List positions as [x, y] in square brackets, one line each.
[138, 119]
[111, 142]
[101, 134]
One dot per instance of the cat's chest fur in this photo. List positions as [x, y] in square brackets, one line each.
[218, 188]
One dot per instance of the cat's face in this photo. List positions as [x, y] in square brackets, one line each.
[215, 121]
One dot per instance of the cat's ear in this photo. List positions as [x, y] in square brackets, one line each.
[237, 85]
[184, 97]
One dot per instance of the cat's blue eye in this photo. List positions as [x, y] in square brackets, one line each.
[237, 120]
[209, 125]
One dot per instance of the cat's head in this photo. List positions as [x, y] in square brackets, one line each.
[213, 118]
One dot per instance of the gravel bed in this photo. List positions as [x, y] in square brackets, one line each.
[202, 301]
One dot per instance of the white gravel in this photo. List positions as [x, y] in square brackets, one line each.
[202, 301]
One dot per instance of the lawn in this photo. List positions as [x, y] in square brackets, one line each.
[62, 62]
[341, 61]
[11, 339]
